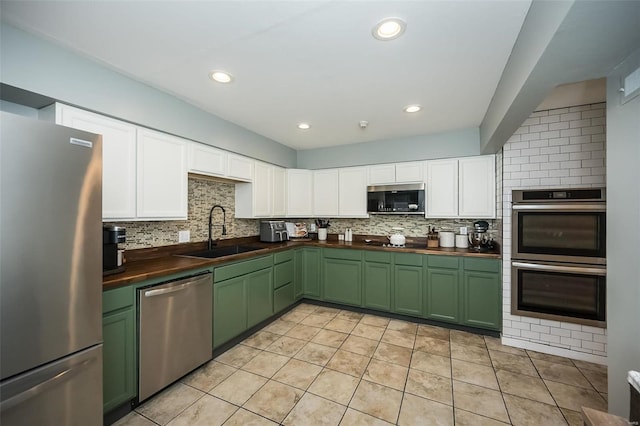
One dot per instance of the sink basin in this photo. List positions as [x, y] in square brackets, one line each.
[221, 251]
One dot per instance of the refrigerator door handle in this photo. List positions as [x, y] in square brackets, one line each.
[51, 382]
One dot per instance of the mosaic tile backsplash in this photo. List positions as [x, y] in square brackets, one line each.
[204, 193]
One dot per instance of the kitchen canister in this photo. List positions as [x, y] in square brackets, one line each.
[462, 241]
[447, 239]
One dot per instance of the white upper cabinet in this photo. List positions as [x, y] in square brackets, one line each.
[207, 160]
[382, 173]
[239, 167]
[477, 182]
[391, 173]
[325, 192]
[463, 187]
[442, 188]
[265, 196]
[299, 193]
[161, 176]
[118, 158]
[410, 172]
[352, 194]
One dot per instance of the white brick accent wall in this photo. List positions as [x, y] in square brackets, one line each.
[559, 148]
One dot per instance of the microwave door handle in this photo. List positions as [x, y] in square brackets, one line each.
[557, 268]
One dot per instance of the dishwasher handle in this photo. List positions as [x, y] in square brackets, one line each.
[179, 285]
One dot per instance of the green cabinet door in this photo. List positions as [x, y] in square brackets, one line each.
[377, 285]
[298, 279]
[408, 286]
[119, 358]
[442, 294]
[311, 272]
[229, 309]
[482, 300]
[283, 297]
[259, 296]
[342, 281]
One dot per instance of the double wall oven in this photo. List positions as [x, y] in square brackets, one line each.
[558, 255]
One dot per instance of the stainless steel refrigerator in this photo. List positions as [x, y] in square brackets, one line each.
[50, 274]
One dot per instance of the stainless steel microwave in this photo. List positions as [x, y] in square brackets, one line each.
[396, 199]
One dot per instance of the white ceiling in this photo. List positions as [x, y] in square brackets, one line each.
[294, 61]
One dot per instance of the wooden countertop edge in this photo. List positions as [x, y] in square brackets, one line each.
[142, 270]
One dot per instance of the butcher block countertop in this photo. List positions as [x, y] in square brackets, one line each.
[145, 264]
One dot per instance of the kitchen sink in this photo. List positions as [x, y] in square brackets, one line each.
[221, 251]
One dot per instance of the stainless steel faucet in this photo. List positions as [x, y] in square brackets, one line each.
[224, 221]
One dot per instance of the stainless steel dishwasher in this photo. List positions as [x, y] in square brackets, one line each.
[174, 329]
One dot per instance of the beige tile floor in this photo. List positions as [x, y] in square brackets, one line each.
[325, 366]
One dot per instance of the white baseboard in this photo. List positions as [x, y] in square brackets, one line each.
[551, 350]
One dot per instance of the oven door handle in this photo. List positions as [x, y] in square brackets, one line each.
[592, 207]
[557, 268]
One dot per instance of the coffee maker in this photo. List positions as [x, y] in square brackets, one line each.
[112, 258]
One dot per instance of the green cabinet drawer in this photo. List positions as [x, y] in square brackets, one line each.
[344, 254]
[283, 256]
[482, 265]
[450, 262]
[283, 297]
[377, 256]
[118, 298]
[408, 259]
[242, 268]
[283, 274]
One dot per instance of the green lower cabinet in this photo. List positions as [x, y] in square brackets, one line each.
[298, 276]
[311, 272]
[482, 294]
[259, 296]
[342, 281]
[442, 294]
[408, 290]
[283, 297]
[377, 285]
[229, 309]
[119, 358]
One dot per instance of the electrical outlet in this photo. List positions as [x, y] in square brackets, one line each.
[184, 236]
[463, 230]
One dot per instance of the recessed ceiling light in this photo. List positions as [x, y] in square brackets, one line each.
[389, 29]
[412, 108]
[221, 76]
[304, 126]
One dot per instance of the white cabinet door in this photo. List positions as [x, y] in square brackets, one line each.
[118, 159]
[382, 174]
[239, 167]
[325, 192]
[352, 196]
[410, 172]
[207, 160]
[299, 193]
[262, 189]
[442, 188]
[279, 200]
[162, 176]
[477, 196]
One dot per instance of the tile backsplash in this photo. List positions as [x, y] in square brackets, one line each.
[204, 193]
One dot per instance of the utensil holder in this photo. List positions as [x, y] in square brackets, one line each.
[322, 234]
